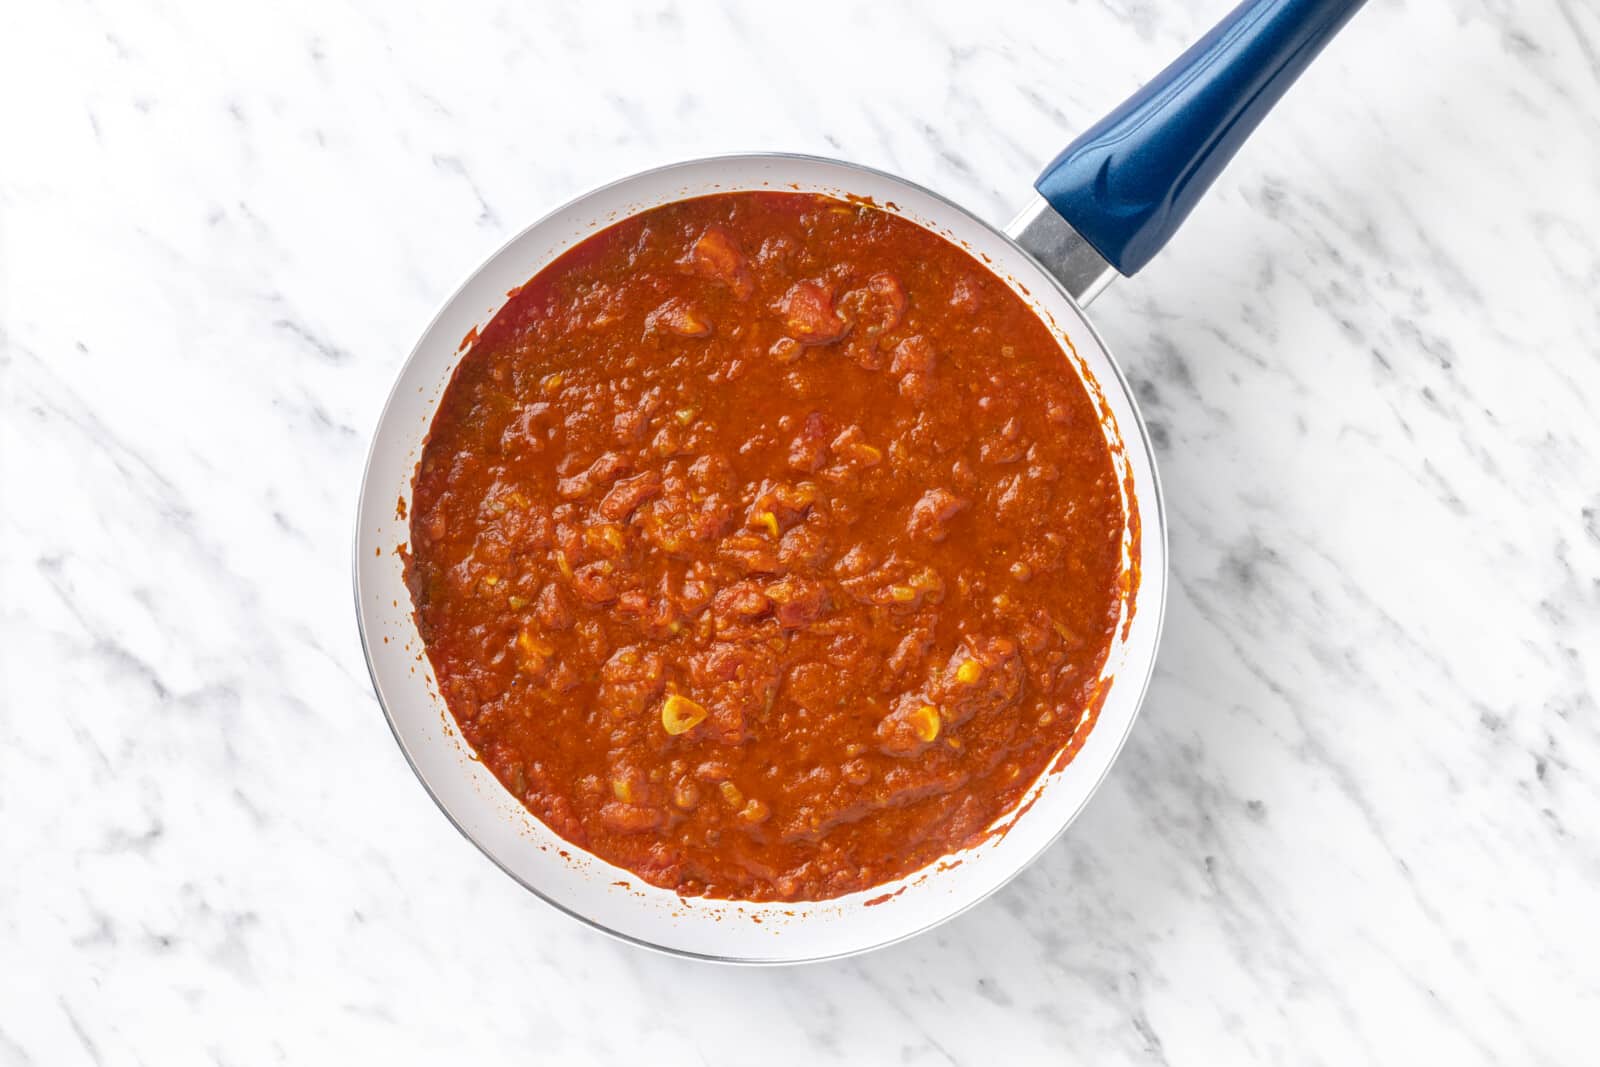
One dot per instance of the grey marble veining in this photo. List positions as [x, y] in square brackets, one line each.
[1356, 822]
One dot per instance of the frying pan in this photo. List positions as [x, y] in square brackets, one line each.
[1104, 207]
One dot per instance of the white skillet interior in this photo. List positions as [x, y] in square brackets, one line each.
[588, 888]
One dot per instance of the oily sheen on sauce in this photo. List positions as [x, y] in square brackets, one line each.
[767, 546]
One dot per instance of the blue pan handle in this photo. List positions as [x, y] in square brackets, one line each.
[1128, 183]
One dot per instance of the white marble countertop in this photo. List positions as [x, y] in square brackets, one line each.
[1357, 820]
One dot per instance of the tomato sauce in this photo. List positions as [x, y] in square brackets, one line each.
[767, 546]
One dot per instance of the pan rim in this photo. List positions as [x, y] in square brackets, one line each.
[1159, 606]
